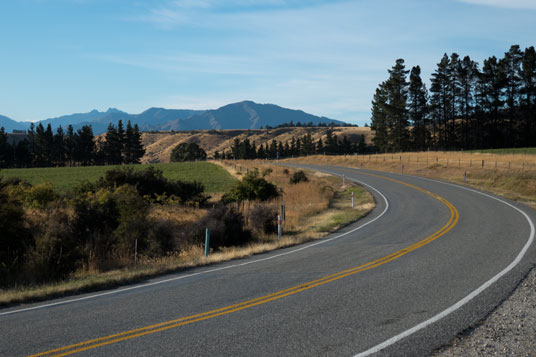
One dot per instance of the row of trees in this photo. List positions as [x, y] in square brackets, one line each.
[466, 107]
[41, 147]
[301, 146]
[308, 125]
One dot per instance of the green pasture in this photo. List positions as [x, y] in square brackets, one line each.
[214, 177]
[512, 151]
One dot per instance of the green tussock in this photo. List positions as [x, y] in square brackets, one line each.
[213, 177]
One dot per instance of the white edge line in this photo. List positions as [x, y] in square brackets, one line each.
[469, 297]
[216, 269]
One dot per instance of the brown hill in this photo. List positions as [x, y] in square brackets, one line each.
[158, 145]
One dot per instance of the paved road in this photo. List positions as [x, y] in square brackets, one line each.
[406, 274]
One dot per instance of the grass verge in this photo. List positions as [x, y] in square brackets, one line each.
[516, 183]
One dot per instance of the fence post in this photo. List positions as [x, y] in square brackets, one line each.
[279, 228]
[402, 169]
[353, 200]
[465, 176]
[207, 241]
[136, 251]
[343, 180]
[482, 163]
[283, 211]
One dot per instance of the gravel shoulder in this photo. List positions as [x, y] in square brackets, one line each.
[510, 330]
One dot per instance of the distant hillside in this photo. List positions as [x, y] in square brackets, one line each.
[242, 115]
[158, 146]
[9, 124]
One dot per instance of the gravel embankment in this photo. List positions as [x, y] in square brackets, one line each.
[509, 331]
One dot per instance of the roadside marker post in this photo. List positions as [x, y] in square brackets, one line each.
[343, 180]
[283, 214]
[136, 251]
[353, 200]
[465, 176]
[207, 241]
[279, 228]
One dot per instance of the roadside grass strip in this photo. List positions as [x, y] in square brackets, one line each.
[139, 332]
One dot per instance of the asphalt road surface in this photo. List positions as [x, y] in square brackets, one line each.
[430, 260]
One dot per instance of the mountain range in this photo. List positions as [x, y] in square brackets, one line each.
[241, 115]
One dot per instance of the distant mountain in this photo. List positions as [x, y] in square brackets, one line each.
[250, 115]
[242, 115]
[78, 118]
[9, 124]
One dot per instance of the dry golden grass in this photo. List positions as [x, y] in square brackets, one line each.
[511, 176]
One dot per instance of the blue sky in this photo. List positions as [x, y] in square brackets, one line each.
[325, 57]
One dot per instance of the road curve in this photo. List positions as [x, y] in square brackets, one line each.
[430, 260]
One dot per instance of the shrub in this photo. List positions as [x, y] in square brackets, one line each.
[15, 239]
[187, 152]
[226, 228]
[149, 182]
[39, 196]
[297, 177]
[263, 219]
[252, 187]
[56, 252]
[108, 222]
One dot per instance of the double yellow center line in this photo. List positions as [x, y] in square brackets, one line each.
[127, 335]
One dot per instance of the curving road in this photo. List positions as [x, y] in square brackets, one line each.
[430, 260]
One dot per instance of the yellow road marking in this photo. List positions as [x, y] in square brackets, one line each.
[162, 326]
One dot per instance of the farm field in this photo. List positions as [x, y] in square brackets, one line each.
[213, 177]
[513, 151]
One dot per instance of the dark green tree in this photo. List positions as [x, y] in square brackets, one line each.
[188, 152]
[379, 120]
[418, 109]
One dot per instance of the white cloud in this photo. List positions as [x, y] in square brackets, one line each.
[510, 4]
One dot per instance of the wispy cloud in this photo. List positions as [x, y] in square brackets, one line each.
[509, 4]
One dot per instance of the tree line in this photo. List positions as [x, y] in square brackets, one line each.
[465, 108]
[301, 146]
[41, 147]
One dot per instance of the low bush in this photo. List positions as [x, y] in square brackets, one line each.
[151, 183]
[252, 187]
[39, 196]
[263, 219]
[15, 238]
[55, 254]
[297, 177]
[226, 226]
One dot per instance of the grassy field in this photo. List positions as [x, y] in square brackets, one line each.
[214, 177]
[515, 151]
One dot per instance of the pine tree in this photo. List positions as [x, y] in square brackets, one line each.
[491, 84]
[467, 75]
[397, 89]
[418, 109]
[528, 77]
[6, 151]
[59, 150]
[84, 146]
[510, 66]
[379, 119]
[440, 102]
[70, 143]
[320, 147]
